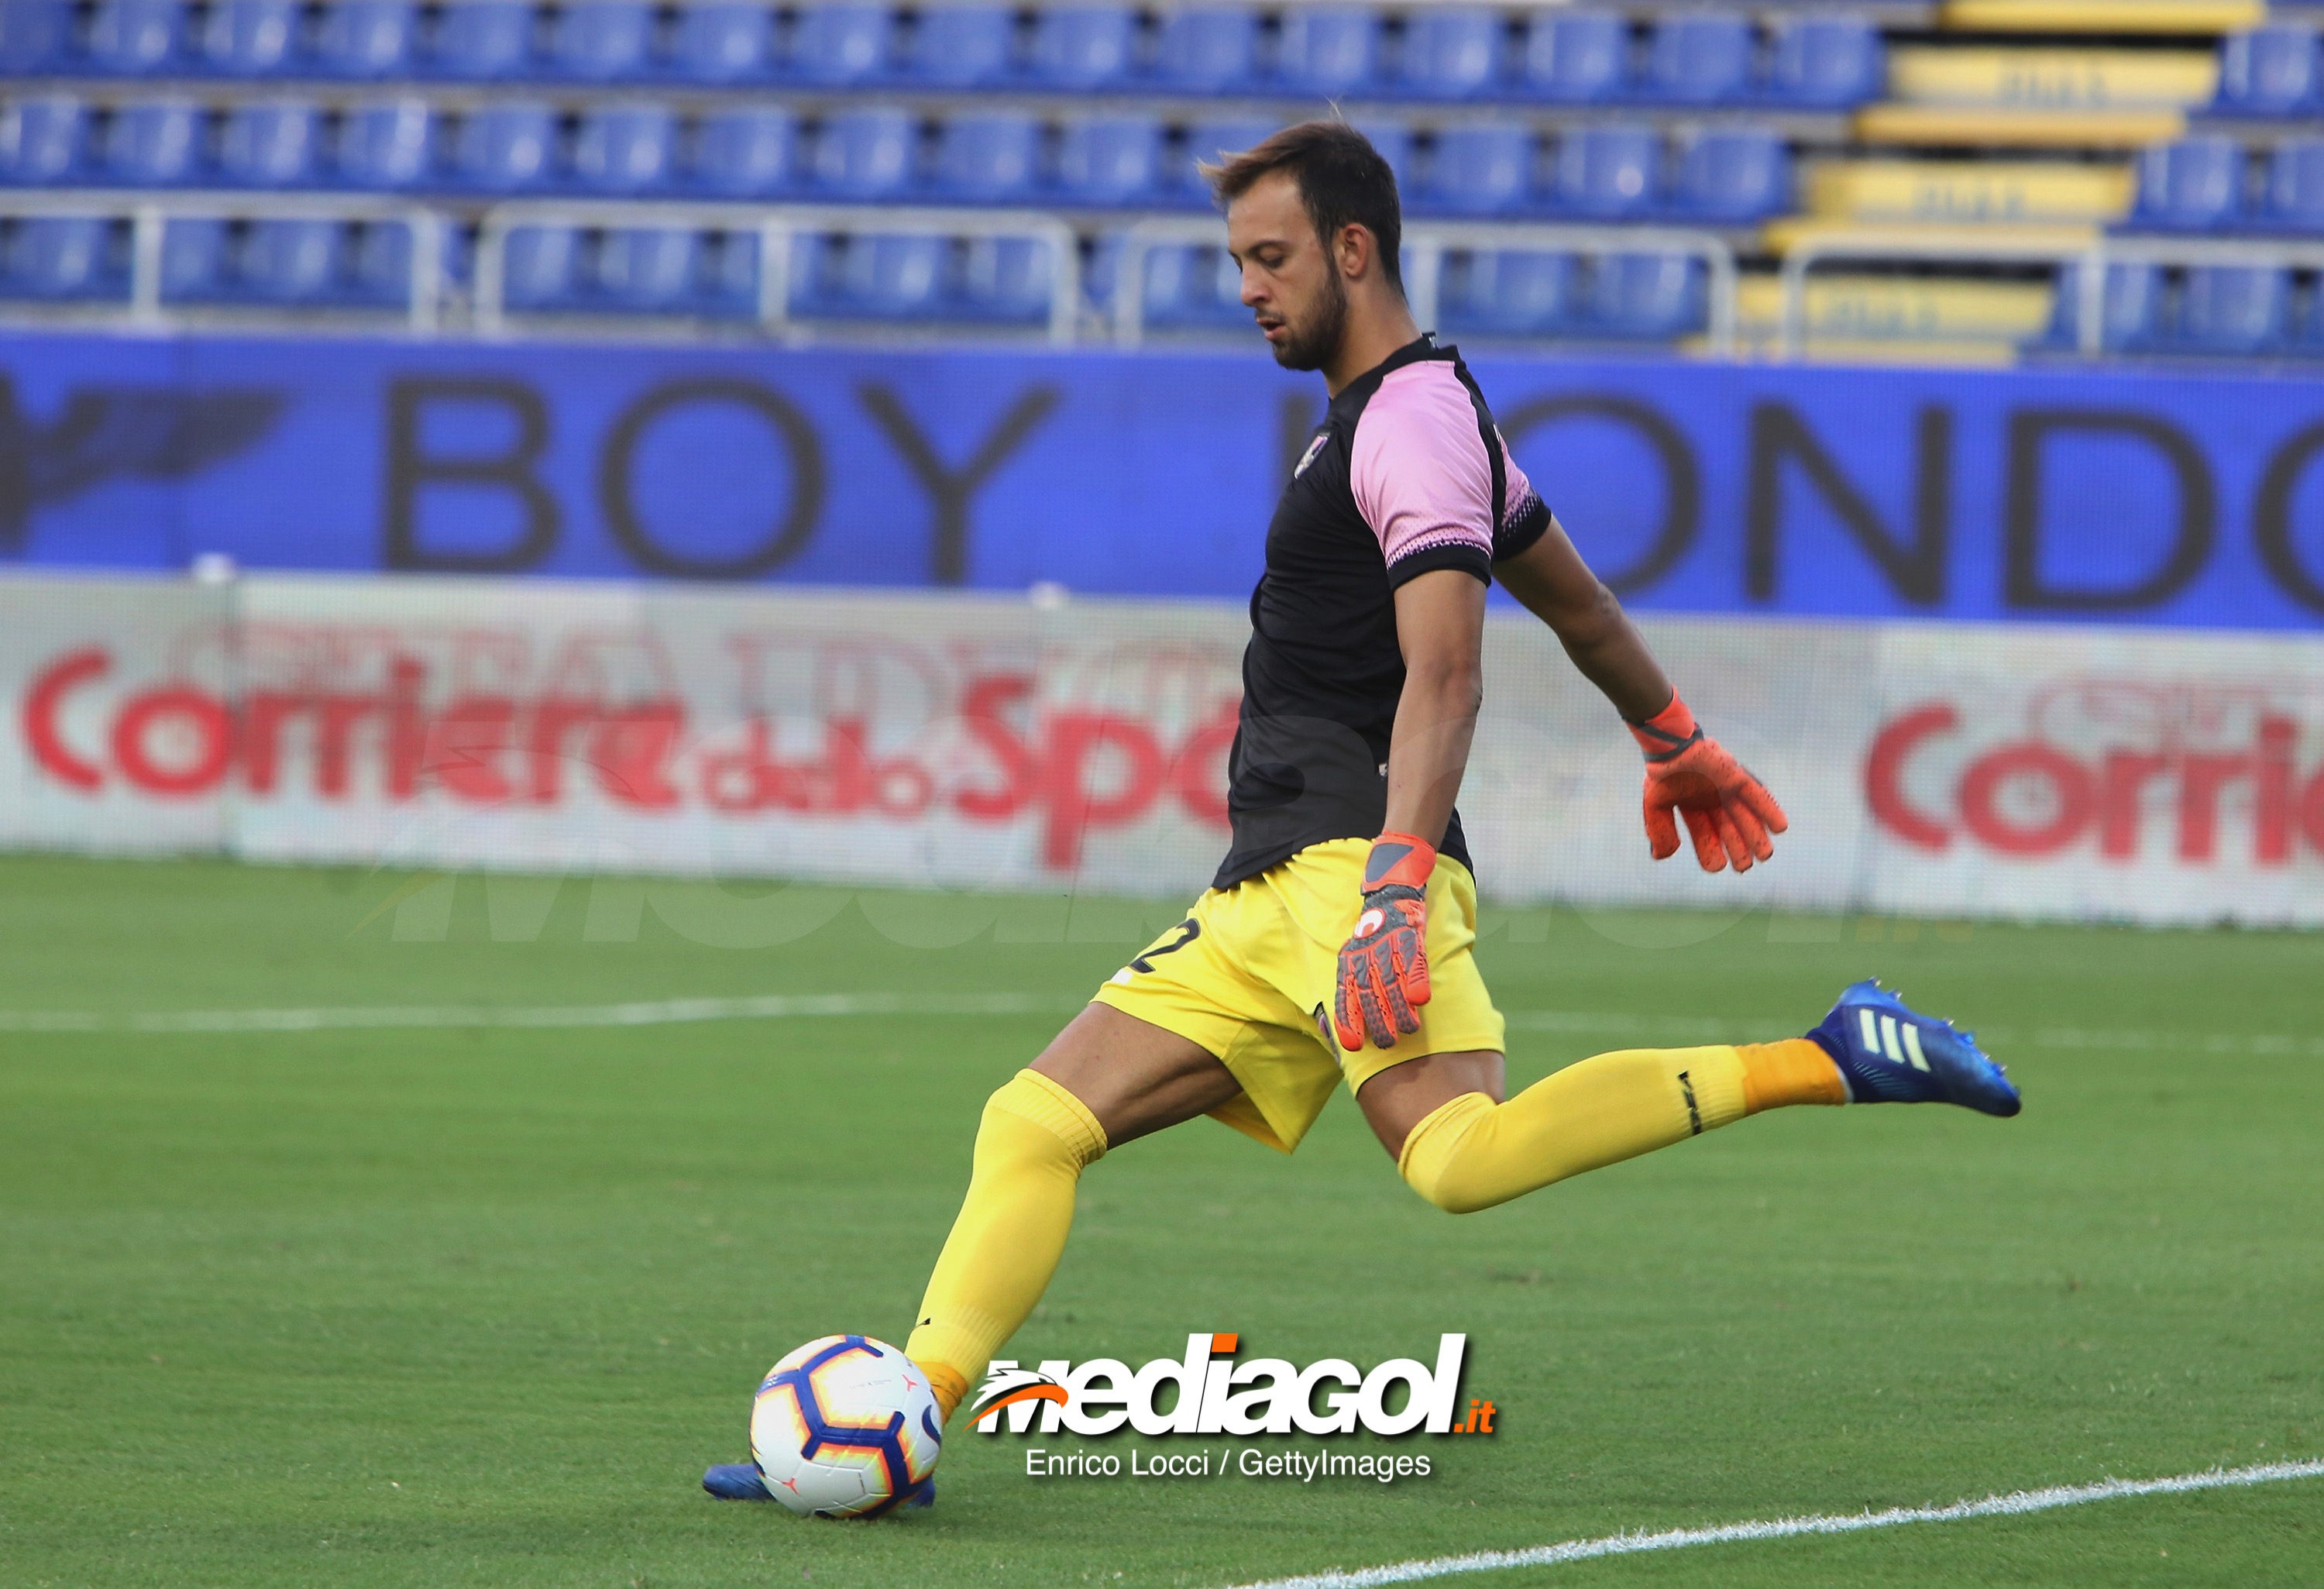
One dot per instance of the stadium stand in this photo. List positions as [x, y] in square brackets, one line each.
[1993, 173]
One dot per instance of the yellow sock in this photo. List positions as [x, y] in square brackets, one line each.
[1473, 1154]
[1794, 1071]
[1031, 1148]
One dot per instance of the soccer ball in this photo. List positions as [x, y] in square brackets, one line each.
[845, 1426]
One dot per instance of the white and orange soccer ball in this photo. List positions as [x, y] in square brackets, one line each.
[845, 1426]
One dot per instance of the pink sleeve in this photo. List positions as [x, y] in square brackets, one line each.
[1421, 475]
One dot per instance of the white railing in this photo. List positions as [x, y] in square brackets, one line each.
[774, 225]
[1425, 243]
[2088, 259]
[149, 215]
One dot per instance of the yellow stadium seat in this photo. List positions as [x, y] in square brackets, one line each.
[2105, 16]
[1859, 308]
[2054, 79]
[1985, 126]
[1905, 240]
[1969, 192]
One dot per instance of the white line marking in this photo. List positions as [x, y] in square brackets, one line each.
[2012, 1505]
[788, 1006]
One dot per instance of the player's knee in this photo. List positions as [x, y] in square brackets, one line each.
[1030, 1115]
[1435, 1161]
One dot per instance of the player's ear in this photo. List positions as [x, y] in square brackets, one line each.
[1353, 250]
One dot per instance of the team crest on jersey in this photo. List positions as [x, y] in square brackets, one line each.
[1314, 449]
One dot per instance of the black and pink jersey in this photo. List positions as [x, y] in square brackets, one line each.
[1407, 474]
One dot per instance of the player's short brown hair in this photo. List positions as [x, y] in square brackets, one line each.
[1341, 177]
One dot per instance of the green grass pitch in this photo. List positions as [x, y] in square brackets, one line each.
[473, 1306]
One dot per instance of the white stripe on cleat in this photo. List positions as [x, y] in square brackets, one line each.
[1871, 1030]
[1912, 1048]
[1888, 1040]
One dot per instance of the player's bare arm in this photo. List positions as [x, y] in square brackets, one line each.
[1729, 813]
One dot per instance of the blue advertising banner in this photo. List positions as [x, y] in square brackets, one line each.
[2130, 496]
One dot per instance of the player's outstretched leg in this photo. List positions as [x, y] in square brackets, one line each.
[1472, 1153]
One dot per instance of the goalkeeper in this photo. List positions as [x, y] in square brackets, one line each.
[1335, 942]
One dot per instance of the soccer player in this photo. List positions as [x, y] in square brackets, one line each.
[1335, 941]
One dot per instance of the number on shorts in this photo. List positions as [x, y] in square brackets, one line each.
[1187, 931]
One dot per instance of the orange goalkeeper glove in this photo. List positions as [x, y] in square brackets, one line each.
[1384, 967]
[1729, 813]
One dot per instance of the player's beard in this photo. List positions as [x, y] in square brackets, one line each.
[1312, 342]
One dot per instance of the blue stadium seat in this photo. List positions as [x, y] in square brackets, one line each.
[1736, 175]
[67, 257]
[1007, 280]
[1482, 168]
[275, 143]
[987, 156]
[252, 38]
[1613, 172]
[1827, 61]
[389, 145]
[1206, 48]
[378, 264]
[36, 36]
[2271, 71]
[746, 152]
[292, 260]
[866, 152]
[1452, 52]
[1503, 292]
[368, 37]
[1577, 56]
[878, 277]
[649, 269]
[1393, 140]
[154, 143]
[963, 46]
[44, 140]
[1191, 286]
[1701, 58]
[1082, 46]
[484, 39]
[1326, 48]
[507, 146]
[836, 45]
[2295, 186]
[2233, 309]
[2191, 185]
[1646, 296]
[602, 40]
[725, 41]
[137, 37]
[626, 149]
[729, 277]
[541, 268]
[1109, 160]
[2130, 308]
[195, 260]
[1210, 141]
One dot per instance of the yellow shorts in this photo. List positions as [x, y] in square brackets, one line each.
[1249, 975]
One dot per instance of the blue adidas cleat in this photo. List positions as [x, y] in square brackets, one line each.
[735, 1481]
[1890, 1054]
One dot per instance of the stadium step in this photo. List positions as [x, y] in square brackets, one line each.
[1957, 192]
[2052, 79]
[2103, 16]
[1985, 127]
